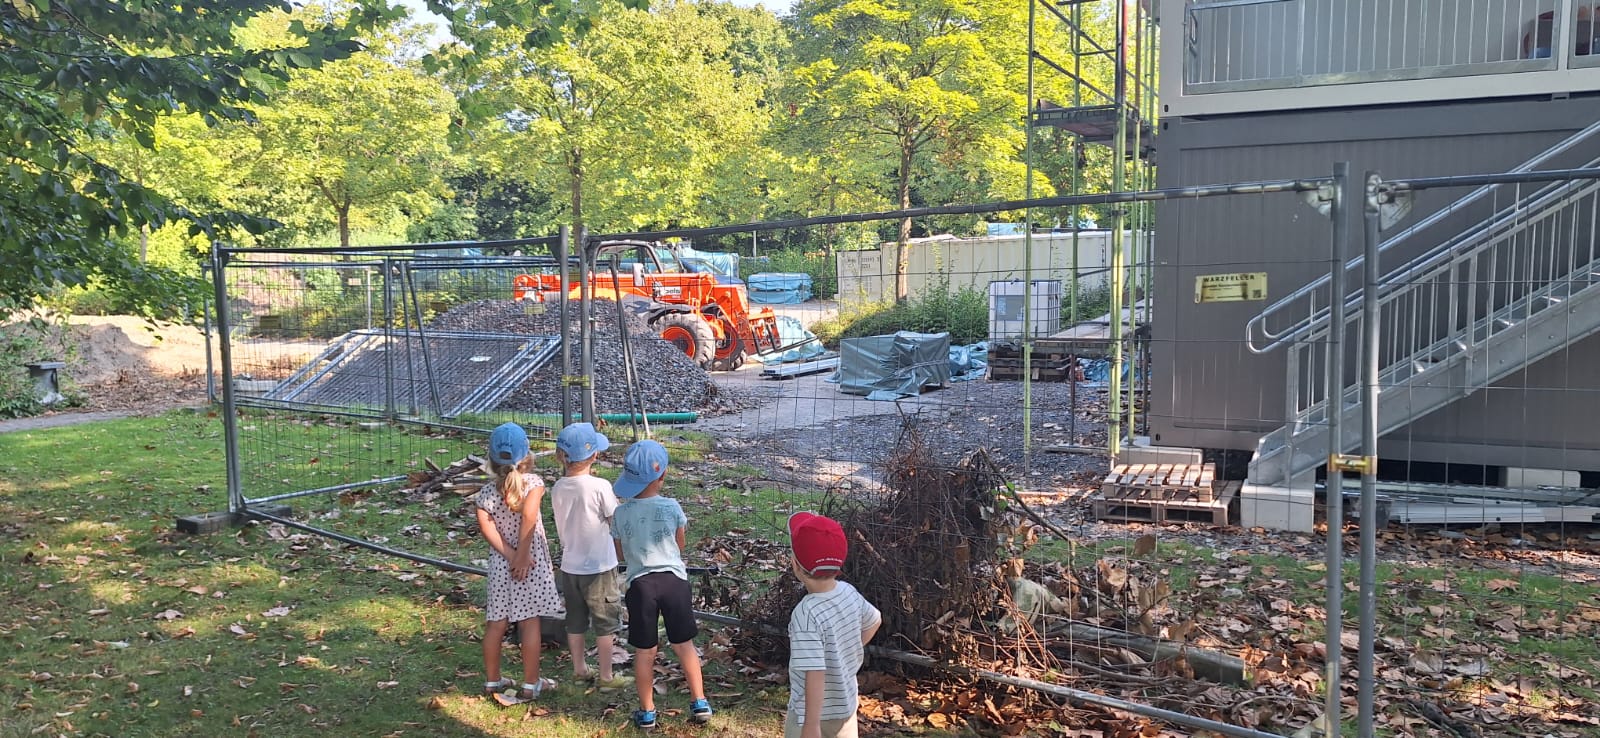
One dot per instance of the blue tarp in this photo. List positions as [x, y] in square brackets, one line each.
[726, 265]
[779, 288]
[1098, 371]
[969, 362]
[791, 332]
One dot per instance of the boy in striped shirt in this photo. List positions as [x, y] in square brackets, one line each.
[828, 631]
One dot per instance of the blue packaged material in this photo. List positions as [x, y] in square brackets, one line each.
[779, 288]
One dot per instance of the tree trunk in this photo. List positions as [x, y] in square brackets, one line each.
[342, 210]
[902, 261]
[830, 232]
[575, 169]
[144, 244]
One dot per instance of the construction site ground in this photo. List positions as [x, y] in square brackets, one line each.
[802, 432]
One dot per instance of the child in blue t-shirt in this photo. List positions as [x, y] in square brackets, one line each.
[650, 533]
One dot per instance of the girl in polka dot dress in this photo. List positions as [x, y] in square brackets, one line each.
[522, 585]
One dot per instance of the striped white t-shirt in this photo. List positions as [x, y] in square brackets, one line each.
[825, 635]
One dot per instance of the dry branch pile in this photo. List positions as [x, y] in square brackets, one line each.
[462, 478]
[939, 553]
[924, 553]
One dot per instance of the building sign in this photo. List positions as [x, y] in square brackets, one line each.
[1230, 287]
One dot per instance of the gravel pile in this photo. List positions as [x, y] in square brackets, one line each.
[669, 380]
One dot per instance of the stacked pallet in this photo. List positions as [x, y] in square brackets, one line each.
[1049, 361]
[1164, 493]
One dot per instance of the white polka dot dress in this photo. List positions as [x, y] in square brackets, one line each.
[534, 596]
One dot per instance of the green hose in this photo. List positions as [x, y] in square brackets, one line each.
[664, 418]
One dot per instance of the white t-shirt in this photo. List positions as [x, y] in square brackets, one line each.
[825, 635]
[583, 508]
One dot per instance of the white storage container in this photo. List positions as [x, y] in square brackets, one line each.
[1007, 312]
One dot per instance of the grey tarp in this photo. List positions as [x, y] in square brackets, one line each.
[892, 367]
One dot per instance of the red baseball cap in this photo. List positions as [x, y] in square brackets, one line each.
[818, 542]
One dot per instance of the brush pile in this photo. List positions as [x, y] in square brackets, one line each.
[461, 478]
[924, 553]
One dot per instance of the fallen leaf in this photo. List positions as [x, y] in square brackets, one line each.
[276, 612]
[168, 614]
[1500, 585]
[386, 685]
[1144, 546]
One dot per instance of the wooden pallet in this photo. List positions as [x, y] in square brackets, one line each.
[1048, 362]
[1164, 493]
[1160, 482]
[1038, 373]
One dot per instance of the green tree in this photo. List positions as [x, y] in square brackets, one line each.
[918, 85]
[631, 121]
[361, 133]
[73, 71]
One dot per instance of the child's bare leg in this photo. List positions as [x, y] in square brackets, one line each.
[644, 671]
[532, 649]
[575, 643]
[690, 659]
[602, 646]
[493, 634]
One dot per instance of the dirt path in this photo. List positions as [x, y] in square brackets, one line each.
[41, 422]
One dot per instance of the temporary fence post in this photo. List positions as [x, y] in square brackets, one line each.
[563, 253]
[1334, 396]
[586, 328]
[230, 423]
[1027, 262]
[388, 339]
[205, 325]
[1370, 320]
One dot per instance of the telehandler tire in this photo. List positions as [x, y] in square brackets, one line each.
[690, 334]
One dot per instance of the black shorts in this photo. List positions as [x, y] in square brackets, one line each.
[656, 597]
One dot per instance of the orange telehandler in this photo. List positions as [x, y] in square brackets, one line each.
[706, 315]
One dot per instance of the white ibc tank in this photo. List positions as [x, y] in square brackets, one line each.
[1008, 313]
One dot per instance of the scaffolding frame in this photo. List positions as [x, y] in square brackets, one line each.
[1122, 119]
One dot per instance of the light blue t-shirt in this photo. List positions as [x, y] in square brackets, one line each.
[648, 528]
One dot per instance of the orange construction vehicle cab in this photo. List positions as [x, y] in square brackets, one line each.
[706, 315]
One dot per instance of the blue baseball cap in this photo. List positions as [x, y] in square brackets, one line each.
[645, 462]
[580, 441]
[508, 444]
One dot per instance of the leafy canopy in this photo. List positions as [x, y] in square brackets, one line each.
[76, 71]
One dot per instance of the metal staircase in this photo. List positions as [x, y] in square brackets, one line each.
[1483, 304]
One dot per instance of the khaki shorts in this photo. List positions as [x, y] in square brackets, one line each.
[592, 599]
[845, 728]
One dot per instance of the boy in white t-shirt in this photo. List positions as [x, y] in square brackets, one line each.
[583, 506]
[828, 633]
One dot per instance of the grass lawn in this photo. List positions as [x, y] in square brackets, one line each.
[117, 625]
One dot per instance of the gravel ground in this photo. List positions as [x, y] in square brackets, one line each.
[952, 422]
[669, 380]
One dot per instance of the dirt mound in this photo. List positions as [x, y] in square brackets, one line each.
[110, 346]
[668, 380]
